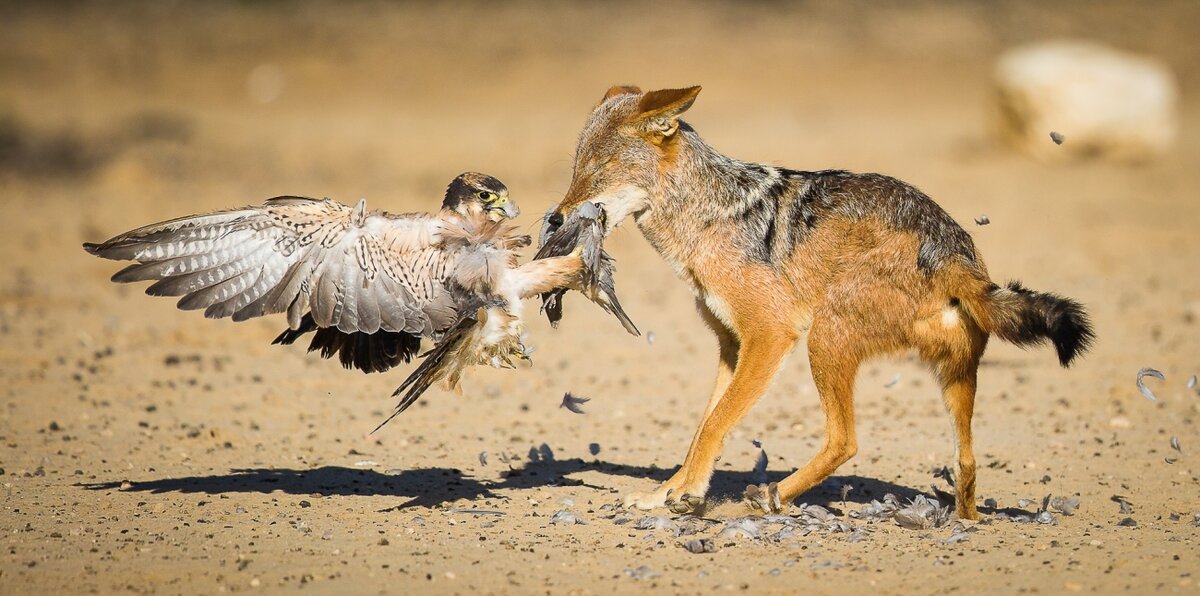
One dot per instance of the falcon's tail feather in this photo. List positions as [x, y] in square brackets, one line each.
[436, 365]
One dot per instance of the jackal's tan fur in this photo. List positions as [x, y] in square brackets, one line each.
[865, 263]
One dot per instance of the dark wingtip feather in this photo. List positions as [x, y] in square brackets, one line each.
[92, 248]
[621, 316]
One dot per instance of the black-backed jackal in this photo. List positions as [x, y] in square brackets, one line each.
[866, 263]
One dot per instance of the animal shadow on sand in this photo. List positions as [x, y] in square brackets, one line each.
[428, 487]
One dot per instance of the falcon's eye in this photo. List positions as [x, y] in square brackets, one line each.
[487, 196]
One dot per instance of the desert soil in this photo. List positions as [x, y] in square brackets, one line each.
[144, 449]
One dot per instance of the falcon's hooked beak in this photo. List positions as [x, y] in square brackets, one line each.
[503, 208]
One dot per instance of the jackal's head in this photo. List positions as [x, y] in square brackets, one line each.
[628, 142]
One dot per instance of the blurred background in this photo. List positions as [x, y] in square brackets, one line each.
[116, 114]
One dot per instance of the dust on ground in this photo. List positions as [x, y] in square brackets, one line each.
[149, 450]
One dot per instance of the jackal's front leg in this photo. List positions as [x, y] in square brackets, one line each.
[728, 346]
[758, 360]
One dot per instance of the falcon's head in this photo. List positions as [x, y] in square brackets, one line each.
[472, 192]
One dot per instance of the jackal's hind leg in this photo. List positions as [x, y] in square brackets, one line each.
[953, 351]
[834, 361]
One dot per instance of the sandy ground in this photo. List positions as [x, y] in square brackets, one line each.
[149, 450]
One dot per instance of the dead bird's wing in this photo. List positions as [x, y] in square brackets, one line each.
[583, 229]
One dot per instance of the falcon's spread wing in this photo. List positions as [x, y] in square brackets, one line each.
[369, 284]
[583, 229]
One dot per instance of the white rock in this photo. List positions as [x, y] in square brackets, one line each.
[1104, 102]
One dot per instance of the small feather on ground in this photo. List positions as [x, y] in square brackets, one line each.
[566, 518]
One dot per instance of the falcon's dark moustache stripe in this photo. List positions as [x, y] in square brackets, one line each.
[432, 368]
[368, 352]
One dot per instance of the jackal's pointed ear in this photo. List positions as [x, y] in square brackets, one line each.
[658, 111]
[616, 90]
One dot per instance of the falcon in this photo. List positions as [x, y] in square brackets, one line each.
[369, 285]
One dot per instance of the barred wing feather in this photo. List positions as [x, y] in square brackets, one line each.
[351, 270]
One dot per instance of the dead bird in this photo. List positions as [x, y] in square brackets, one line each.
[369, 285]
[582, 230]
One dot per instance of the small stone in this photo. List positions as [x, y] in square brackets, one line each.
[1128, 522]
[642, 572]
[254, 583]
[383, 542]
[305, 504]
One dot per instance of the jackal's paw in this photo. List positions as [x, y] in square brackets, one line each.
[653, 500]
[686, 503]
[764, 498]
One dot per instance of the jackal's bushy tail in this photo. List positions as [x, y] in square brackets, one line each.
[1025, 317]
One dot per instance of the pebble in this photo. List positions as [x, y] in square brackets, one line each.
[642, 572]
